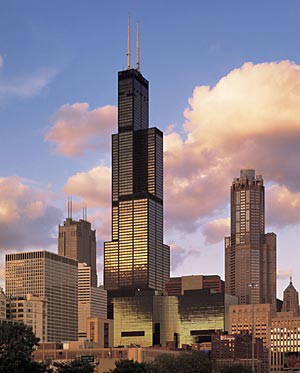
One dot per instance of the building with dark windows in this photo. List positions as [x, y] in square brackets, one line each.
[178, 285]
[291, 300]
[250, 254]
[77, 240]
[136, 257]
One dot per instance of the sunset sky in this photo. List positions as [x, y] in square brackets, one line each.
[224, 87]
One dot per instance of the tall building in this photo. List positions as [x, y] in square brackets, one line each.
[2, 304]
[136, 257]
[92, 301]
[48, 275]
[291, 300]
[77, 240]
[250, 254]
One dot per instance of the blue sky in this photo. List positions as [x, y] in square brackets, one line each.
[56, 53]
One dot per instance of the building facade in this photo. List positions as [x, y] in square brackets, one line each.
[92, 301]
[136, 257]
[178, 285]
[250, 254]
[30, 310]
[77, 240]
[51, 276]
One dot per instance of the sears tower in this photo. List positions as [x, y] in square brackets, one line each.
[136, 258]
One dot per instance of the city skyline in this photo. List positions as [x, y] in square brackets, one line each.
[201, 154]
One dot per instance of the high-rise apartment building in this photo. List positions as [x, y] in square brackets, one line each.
[92, 301]
[51, 276]
[250, 254]
[136, 257]
[77, 240]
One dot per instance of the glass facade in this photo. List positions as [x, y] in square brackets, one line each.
[149, 320]
[136, 258]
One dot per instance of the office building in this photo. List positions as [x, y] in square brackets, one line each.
[285, 343]
[51, 276]
[250, 254]
[77, 240]
[291, 300]
[242, 316]
[92, 301]
[148, 320]
[30, 310]
[136, 257]
[178, 285]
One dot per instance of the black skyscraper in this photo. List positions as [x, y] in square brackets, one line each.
[136, 258]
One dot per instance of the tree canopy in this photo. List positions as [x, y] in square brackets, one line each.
[236, 369]
[17, 342]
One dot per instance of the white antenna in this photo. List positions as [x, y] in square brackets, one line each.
[138, 65]
[128, 44]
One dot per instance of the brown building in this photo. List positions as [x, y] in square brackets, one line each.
[291, 300]
[250, 254]
[77, 240]
[178, 285]
[230, 349]
[51, 276]
[100, 330]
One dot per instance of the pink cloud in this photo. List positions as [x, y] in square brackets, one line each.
[249, 119]
[92, 187]
[216, 230]
[77, 129]
[27, 217]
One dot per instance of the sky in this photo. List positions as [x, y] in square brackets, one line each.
[224, 87]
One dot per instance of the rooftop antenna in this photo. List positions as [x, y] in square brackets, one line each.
[128, 44]
[71, 208]
[68, 207]
[138, 65]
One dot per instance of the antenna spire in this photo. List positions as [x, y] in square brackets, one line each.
[128, 44]
[138, 65]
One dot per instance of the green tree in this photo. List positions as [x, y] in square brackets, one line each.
[192, 362]
[16, 346]
[130, 366]
[236, 369]
[71, 367]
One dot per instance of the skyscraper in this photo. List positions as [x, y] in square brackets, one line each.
[250, 254]
[77, 240]
[136, 257]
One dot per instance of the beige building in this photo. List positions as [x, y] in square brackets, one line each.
[77, 240]
[92, 301]
[284, 340]
[250, 254]
[100, 331]
[48, 275]
[30, 310]
[241, 318]
[178, 285]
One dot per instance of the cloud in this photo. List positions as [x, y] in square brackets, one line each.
[25, 85]
[77, 129]
[284, 274]
[216, 230]
[249, 119]
[92, 187]
[27, 218]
